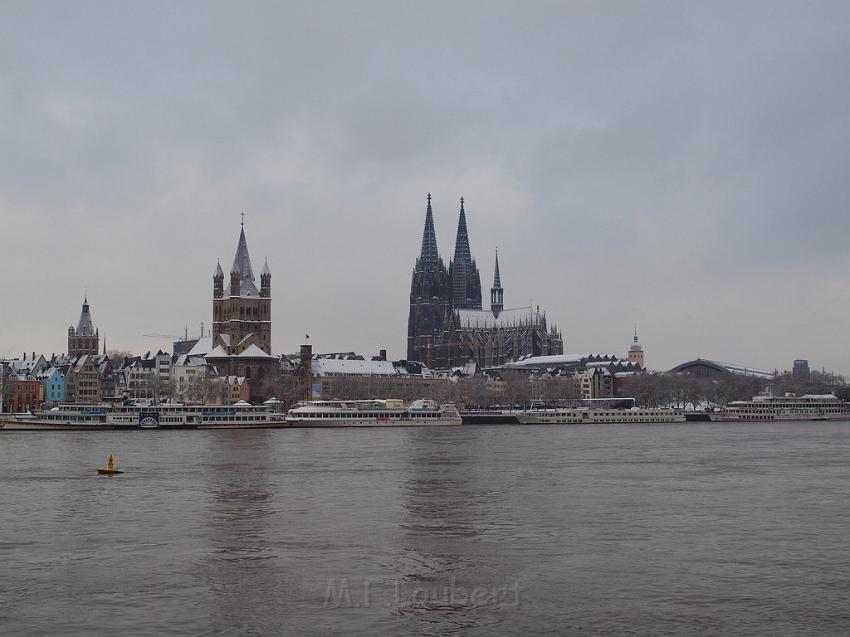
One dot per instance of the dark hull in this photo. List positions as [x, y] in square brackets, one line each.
[488, 418]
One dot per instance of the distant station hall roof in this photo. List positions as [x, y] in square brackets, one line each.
[531, 362]
[705, 367]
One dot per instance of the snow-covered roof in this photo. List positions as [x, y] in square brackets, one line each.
[485, 318]
[336, 366]
[218, 352]
[252, 351]
[202, 347]
[467, 369]
[606, 364]
[81, 361]
[184, 360]
[546, 361]
[46, 373]
[102, 362]
[20, 365]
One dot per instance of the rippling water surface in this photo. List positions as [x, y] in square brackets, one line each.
[630, 529]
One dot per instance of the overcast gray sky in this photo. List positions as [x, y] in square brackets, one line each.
[678, 166]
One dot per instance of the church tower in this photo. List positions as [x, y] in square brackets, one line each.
[636, 352]
[243, 317]
[430, 291]
[466, 282]
[85, 339]
[497, 301]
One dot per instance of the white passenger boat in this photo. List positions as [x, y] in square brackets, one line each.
[580, 415]
[788, 407]
[241, 415]
[371, 413]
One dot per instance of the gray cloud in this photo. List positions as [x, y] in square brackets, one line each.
[675, 165]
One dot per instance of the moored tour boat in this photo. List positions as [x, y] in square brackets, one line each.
[766, 407]
[371, 413]
[241, 415]
[581, 415]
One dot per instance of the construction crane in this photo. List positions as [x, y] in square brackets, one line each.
[184, 336]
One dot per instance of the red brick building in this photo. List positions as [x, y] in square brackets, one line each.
[21, 394]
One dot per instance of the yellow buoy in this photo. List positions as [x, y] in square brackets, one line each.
[110, 468]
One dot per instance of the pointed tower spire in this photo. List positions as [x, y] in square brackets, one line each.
[242, 266]
[462, 241]
[85, 326]
[466, 282]
[429, 254]
[497, 303]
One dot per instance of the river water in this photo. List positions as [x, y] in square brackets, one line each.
[711, 529]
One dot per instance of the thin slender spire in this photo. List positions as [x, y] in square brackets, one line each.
[466, 283]
[497, 299]
[462, 241]
[429, 253]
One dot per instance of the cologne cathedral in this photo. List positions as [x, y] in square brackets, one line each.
[447, 326]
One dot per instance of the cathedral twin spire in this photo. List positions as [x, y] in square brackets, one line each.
[464, 281]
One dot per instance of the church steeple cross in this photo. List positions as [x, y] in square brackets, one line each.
[243, 218]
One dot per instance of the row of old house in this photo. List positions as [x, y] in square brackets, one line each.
[35, 381]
